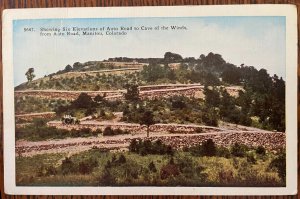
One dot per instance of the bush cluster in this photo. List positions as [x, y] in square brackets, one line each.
[38, 130]
[279, 163]
[83, 167]
[152, 167]
[84, 132]
[168, 171]
[147, 147]
[208, 148]
[115, 161]
[182, 169]
[37, 133]
[107, 178]
[239, 150]
[28, 104]
[129, 169]
[68, 166]
[108, 131]
[175, 109]
[46, 171]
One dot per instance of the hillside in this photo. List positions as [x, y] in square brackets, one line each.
[171, 120]
[258, 99]
[116, 72]
[89, 80]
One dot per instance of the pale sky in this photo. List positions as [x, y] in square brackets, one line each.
[256, 41]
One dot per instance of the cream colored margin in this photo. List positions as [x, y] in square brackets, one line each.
[289, 11]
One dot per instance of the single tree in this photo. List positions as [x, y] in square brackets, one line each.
[147, 119]
[209, 148]
[170, 57]
[152, 167]
[153, 72]
[83, 101]
[68, 68]
[212, 96]
[231, 74]
[30, 74]
[77, 66]
[132, 93]
[279, 163]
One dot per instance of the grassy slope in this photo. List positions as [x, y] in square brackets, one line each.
[198, 171]
[30, 104]
[82, 81]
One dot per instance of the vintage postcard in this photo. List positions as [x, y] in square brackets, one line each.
[185, 100]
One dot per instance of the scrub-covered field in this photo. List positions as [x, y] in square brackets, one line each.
[155, 164]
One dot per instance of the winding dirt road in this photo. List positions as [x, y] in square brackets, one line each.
[226, 137]
[150, 91]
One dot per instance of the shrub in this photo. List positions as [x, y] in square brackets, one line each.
[40, 172]
[122, 159]
[51, 170]
[178, 104]
[113, 158]
[172, 161]
[97, 132]
[226, 177]
[169, 150]
[279, 163]
[133, 146]
[87, 166]
[152, 167]
[185, 163]
[168, 171]
[108, 131]
[239, 150]
[67, 166]
[37, 132]
[199, 130]
[84, 132]
[210, 117]
[108, 164]
[251, 158]
[172, 131]
[107, 178]
[46, 171]
[148, 147]
[38, 122]
[195, 150]
[223, 152]
[260, 150]
[107, 115]
[90, 111]
[84, 168]
[117, 132]
[209, 148]
[83, 101]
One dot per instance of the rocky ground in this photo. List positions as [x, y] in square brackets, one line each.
[221, 136]
[176, 135]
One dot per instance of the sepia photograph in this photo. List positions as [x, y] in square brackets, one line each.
[183, 100]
